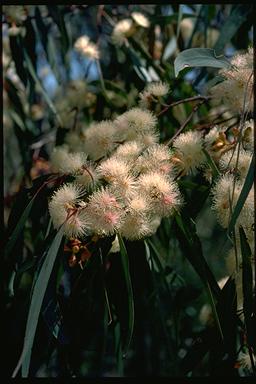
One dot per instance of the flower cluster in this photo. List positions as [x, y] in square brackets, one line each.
[127, 27]
[77, 97]
[122, 179]
[237, 88]
[153, 91]
[86, 47]
[15, 13]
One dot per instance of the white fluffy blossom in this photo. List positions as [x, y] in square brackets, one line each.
[222, 202]
[65, 162]
[15, 13]
[105, 212]
[237, 88]
[128, 152]
[228, 161]
[136, 224]
[88, 176]
[155, 158]
[121, 31]
[188, 154]
[162, 193]
[148, 139]
[155, 89]
[135, 123]
[99, 139]
[86, 47]
[66, 208]
[112, 169]
[140, 19]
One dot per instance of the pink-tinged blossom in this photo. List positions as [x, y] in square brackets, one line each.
[162, 193]
[105, 212]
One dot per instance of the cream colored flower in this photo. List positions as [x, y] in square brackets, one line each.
[228, 162]
[135, 123]
[156, 158]
[140, 19]
[188, 154]
[154, 89]
[105, 212]
[128, 152]
[161, 192]
[64, 161]
[66, 208]
[87, 48]
[237, 88]
[136, 224]
[99, 139]
[121, 31]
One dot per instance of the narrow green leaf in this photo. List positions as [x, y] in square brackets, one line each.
[214, 310]
[36, 303]
[234, 21]
[17, 56]
[180, 14]
[247, 283]
[43, 30]
[191, 246]
[213, 166]
[58, 18]
[156, 294]
[24, 267]
[40, 86]
[125, 263]
[118, 349]
[199, 57]
[249, 180]
[156, 259]
[19, 227]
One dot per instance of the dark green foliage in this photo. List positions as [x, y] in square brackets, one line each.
[136, 312]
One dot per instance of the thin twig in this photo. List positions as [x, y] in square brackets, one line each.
[193, 98]
[186, 121]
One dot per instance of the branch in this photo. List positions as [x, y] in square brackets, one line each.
[187, 119]
[193, 98]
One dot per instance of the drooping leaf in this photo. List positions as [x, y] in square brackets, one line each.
[199, 57]
[192, 249]
[156, 258]
[57, 15]
[37, 188]
[125, 264]
[19, 227]
[17, 55]
[13, 95]
[180, 16]
[247, 283]
[36, 303]
[42, 30]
